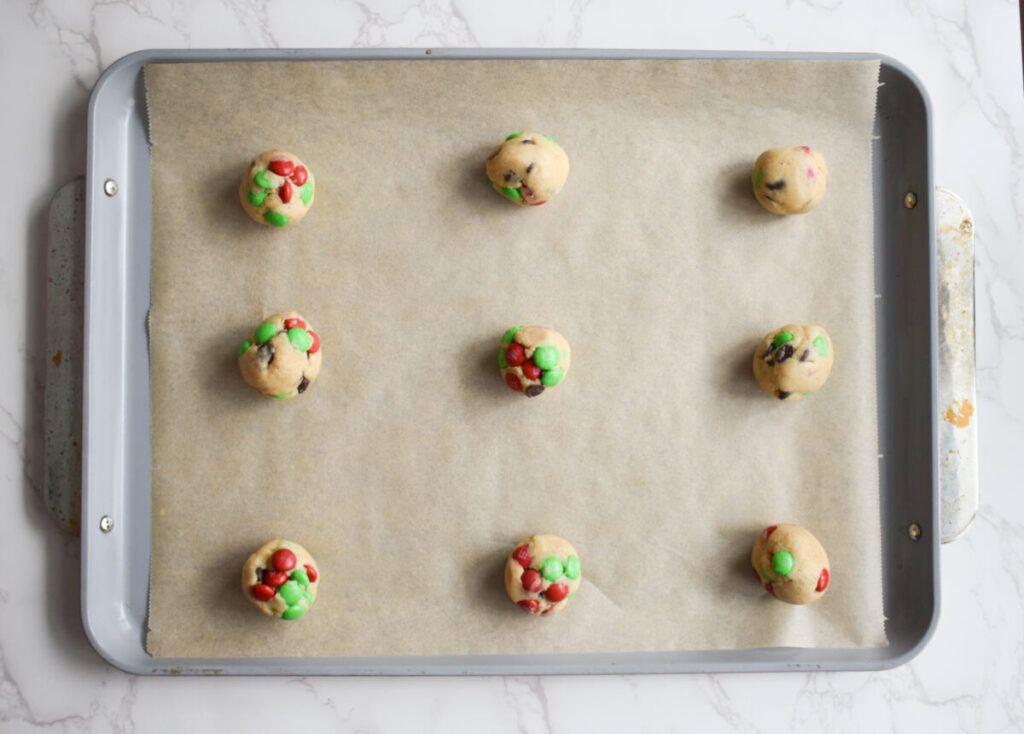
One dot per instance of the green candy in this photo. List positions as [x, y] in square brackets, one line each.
[757, 179]
[782, 563]
[551, 139]
[781, 338]
[276, 218]
[265, 332]
[256, 198]
[550, 378]
[306, 192]
[513, 135]
[293, 612]
[291, 592]
[509, 335]
[300, 577]
[244, 347]
[572, 568]
[765, 577]
[502, 362]
[261, 180]
[511, 193]
[282, 396]
[552, 569]
[309, 598]
[821, 345]
[300, 338]
[546, 357]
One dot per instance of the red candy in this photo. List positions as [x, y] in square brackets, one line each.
[768, 588]
[311, 572]
[823, 580]
[532, 581]
[805, 149]
[315, 346]
[275, 578]
[810, 173]
[513, 382]
[522, 556]
[300, 175]
[547, 611]
[283, 560]
[262, 592]
[530, 605]
[285, 192]
[515, 355]
[538, 203]
[294, 324]
[769, 530]
[531, 371]
[281, 167]
[556, 592]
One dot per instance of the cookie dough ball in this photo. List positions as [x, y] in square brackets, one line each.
[791, 563]
[790, 180]
[281, 579]
[533, 358]
[528, 168]
[542, 573]
[277, 189]
[283, 357]
[793, 361]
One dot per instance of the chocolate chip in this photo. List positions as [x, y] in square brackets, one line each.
[770, 199]
[512, 176]
[529, 142]
[533, 391]
[805, 355]
[776, 185]
[259, 575]
[266, 352]
[783, 394]
[529, 168]
[784, 352]
[303, 385]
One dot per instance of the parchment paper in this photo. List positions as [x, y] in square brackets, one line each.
[409, 469]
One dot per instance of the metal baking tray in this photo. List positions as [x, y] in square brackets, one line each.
[116, 391]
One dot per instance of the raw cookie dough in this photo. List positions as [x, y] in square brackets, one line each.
[277, 189]
[542, 573]
[281, 579]
[790, 180]
[793, 361]
[791, 564]
[528, 168]
[532, 358]
[283, 357]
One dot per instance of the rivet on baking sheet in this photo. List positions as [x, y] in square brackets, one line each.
[429, 52]
[910, 200]
[110, 187]
[914, 531]
[106, 523]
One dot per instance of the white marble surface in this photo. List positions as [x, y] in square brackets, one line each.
[969, 678]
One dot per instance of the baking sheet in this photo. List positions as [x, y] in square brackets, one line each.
[409, 469]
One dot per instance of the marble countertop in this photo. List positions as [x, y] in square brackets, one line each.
[970, 677]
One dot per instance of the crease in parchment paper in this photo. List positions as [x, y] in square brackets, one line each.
[409, 469]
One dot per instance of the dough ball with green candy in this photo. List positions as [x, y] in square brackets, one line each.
[533, 358]
[790, 180]
[791, 564]
[793, 361]
[528, 169]
[542, 573]
[281, 579]
[277, 189]
[282, 358]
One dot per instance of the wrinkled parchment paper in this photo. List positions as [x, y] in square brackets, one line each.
[409, 469]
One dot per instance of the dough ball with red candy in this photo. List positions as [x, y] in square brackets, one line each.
[277, 189]
[528, 169]
[281, 579]
[791, 564]
[282, 358]
[533, 359]
[790, 180]
[542, 573]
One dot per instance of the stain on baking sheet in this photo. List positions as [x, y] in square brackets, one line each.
[959, 416]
